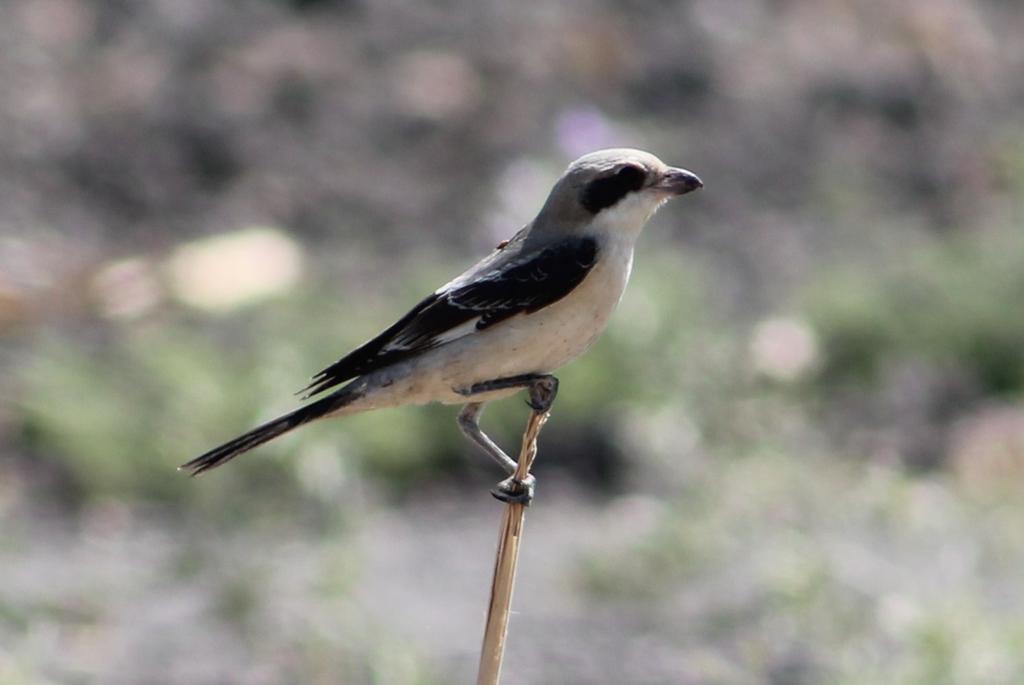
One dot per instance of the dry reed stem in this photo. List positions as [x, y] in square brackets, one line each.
[505, 563]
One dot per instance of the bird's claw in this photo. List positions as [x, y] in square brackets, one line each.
[542, 394]
[514, 491]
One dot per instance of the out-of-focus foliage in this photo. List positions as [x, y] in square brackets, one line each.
[795, 457]
[809, 570]
[141, 420]
[949, 306]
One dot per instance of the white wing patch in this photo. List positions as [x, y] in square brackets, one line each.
[459, 331]
[406, 342]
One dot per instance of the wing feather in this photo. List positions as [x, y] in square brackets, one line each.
[525, 284]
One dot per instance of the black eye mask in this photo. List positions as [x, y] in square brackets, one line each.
[606, 191]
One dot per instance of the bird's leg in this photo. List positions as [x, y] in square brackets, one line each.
[542, 389]
[508, 490]
[469, 422]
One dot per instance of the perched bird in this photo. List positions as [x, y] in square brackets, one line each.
[538, 301]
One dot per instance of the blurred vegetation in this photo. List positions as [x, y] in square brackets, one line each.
[795, 457]
[809, 570]
[140, 421]
[949, 305]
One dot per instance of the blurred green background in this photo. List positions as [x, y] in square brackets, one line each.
[796, 457]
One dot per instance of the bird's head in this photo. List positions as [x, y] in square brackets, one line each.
[620, 188]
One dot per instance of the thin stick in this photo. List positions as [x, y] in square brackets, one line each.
[505, 563]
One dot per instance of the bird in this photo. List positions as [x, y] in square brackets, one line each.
[537, 301]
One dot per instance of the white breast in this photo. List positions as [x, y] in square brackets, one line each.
[550, 338]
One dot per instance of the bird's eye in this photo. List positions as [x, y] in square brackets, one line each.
[605, 191]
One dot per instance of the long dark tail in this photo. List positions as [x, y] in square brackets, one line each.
[268, 431]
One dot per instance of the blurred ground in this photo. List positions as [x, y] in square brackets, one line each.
[795, 457]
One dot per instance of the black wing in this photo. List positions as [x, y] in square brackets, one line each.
[520, 286]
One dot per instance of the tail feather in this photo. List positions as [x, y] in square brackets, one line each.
[267, 432]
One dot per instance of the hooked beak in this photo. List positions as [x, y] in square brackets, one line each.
[679, 182]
